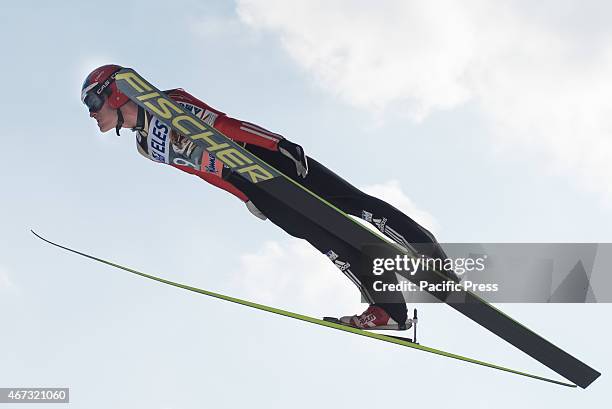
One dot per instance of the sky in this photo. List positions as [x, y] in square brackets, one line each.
[484, 121]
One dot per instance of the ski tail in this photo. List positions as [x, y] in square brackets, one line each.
[387, 338]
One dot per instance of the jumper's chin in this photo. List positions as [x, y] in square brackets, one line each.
[105, 127]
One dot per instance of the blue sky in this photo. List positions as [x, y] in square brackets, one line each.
[487, 123]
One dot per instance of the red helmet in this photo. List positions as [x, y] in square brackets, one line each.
[99, 86]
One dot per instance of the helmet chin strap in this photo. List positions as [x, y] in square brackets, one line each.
[119, 121]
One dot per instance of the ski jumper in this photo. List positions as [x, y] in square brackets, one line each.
[159, 143]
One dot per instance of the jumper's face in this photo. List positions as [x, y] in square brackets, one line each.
[106, 117]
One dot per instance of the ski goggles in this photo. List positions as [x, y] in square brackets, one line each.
[94, 95]
[93, 102]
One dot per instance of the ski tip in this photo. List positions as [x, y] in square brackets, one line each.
[43, 239]
[38, 235]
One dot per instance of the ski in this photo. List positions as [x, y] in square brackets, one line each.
[255, 177]
[341, 327]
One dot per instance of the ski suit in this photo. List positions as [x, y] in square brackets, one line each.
[161, 144]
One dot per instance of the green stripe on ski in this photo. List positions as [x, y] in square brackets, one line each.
[312, 320]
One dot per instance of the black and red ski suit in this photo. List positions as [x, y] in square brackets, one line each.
[161, 144]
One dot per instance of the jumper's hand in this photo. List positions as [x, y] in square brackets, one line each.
[296, 154]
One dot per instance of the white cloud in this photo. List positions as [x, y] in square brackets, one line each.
[294, 275]
[370, 55]
[539, 73]
[392, 193]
